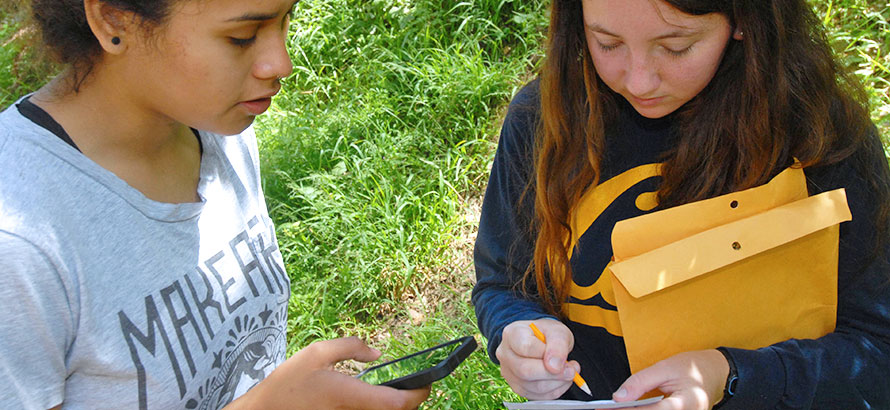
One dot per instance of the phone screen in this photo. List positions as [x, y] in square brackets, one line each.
[408, 365]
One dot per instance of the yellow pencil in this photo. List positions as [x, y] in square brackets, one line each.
[577, 379]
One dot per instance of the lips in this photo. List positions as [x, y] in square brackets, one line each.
[647, 102]
[258, 106]
[261, 104]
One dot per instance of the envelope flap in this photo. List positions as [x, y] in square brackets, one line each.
[635, 236]
[715, 248]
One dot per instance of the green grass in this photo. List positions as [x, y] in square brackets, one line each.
[20, 73]
[373, 151]
[860, 33]
[377, 150]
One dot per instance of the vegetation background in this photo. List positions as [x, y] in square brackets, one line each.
[376, 155]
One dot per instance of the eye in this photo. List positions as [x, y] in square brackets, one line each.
[242, 42]
[678, 53]
[608, 47]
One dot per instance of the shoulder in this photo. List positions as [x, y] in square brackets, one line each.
[32, 169]
[525, 107]
[865, 178]
[13, 124]
[521, 121]
[44, 185]
[866, 169]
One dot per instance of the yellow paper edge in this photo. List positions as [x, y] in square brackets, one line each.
[712, 249]
[635, 236]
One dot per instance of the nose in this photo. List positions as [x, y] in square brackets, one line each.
[274, 62]
[642, 78]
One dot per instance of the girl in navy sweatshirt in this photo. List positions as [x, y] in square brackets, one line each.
[689, 99]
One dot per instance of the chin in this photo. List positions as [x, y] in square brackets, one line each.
[232, 128]
[651, 114]
[655, 112]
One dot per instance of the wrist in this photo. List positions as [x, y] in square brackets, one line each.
[249, 400]
[732, 379]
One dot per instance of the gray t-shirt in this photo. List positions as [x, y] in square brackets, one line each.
[112, 300]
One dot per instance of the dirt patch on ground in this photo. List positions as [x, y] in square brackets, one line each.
[441, 291]
[443, 287]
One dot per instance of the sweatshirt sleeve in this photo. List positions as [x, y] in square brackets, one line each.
[847, 368]
[504, 243]
[36, 329]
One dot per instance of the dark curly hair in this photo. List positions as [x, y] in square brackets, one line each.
[67, 36]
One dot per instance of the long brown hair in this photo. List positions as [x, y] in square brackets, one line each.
[777, 94]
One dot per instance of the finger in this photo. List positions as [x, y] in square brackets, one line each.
[330, 352]
[538, 390]
[559, 344]
[640, 383]
[673, 402]
[522, 342]
[415, 397]
[531, 369]
[373, 397]
[547, 389]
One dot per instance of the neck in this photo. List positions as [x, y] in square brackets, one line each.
[151, 152]
[104, 119]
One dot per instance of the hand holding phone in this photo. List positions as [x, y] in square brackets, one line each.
[421, 368]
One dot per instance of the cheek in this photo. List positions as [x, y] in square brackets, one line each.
[609, 66]
[692, 77]
[203, 67]
[208, 80]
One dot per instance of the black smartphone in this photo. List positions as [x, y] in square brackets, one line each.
[422, 368]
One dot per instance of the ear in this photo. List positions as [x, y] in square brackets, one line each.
[108, 23]
[738, 34]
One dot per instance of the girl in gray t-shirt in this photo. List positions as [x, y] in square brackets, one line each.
[138, 263]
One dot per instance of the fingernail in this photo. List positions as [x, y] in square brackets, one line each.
[620, 393]
[554, 362]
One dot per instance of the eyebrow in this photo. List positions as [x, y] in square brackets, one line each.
[253, 17]
[684, 32]
[260, 16]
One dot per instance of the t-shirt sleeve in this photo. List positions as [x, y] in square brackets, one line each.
[846, 368]
[36, 329]
[504, 244]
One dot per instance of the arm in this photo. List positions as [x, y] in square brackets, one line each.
[846, 368]
[36, 329]
[504, 248]
[504, 243]
[500, 263]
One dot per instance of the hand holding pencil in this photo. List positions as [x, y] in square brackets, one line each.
[536, 366]
[577, 379]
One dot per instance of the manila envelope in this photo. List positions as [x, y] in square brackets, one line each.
[746, 269]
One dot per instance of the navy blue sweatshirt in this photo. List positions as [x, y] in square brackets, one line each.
[845, 369]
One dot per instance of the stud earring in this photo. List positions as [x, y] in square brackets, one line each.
[115, 40]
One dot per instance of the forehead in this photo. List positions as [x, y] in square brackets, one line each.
[231, 10]
[632, 15]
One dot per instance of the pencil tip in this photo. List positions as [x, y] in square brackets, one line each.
[586, 389]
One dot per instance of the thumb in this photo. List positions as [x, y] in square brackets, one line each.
[638, 384]
[330, 352]
[556, 353]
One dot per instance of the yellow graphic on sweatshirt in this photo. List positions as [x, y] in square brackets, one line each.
[589, 208]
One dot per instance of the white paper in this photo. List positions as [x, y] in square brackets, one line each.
[578, 405]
